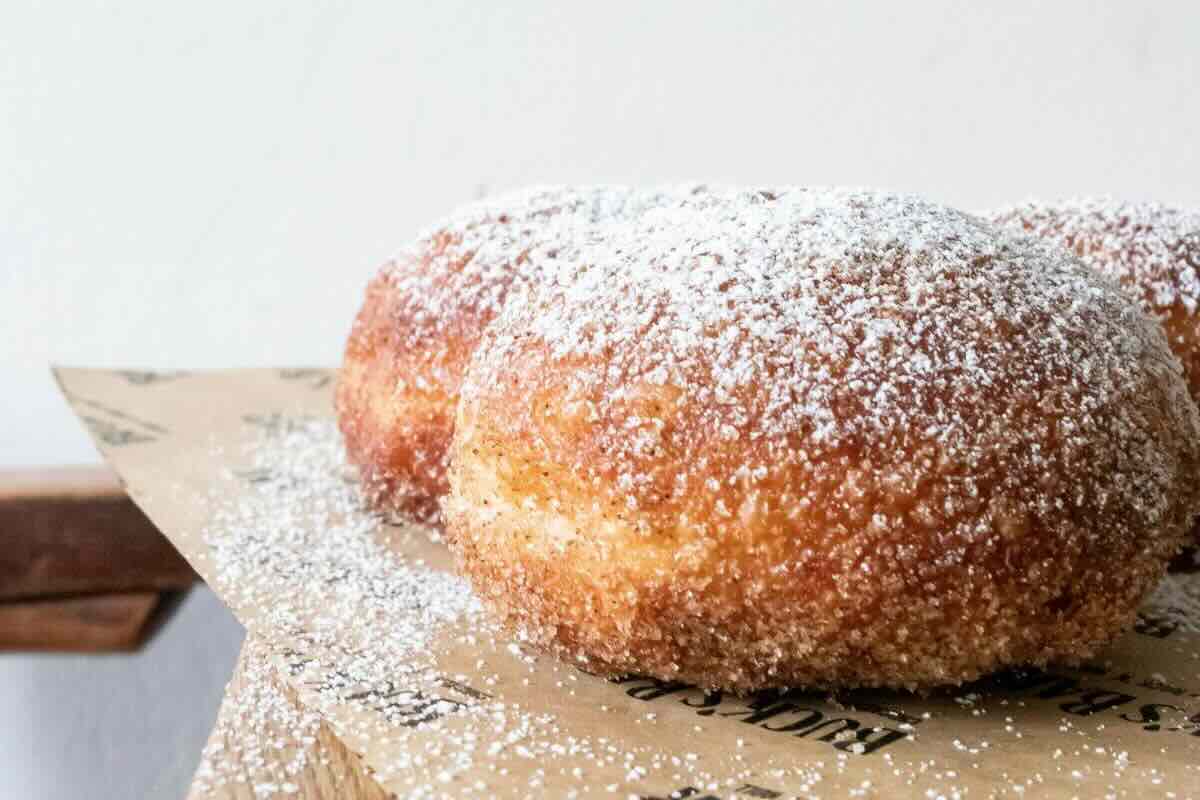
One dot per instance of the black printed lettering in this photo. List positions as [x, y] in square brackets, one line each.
[842, 725]
[812, 717]
[708, 702]
[655, 689]
[1060, 686]
[761, 708]
[689, 792]
[1162, 686]
[1150, 715]
[1094, 701]
[469, 691]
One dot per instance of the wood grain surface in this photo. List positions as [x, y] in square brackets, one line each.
[73, 530]
[87, 623]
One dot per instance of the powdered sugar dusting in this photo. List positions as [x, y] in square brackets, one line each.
[301, 544]
[262, 737]
[458, 274]
[1152, 247]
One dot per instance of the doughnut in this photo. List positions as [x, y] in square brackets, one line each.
[1152, 250]
[820, 438]
[419, 323]
[422, 318]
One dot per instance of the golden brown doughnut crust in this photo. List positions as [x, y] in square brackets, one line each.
[820, 438]
[1152, 250]
[395, 403]
[421, 319]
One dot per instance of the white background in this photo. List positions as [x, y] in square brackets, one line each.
[211, 184]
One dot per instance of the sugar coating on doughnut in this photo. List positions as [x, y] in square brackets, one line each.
[1151, 249]
[789, 436]
[423, 315]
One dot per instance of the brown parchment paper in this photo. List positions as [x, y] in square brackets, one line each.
[1125, 725]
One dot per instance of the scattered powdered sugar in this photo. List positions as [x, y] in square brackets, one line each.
[299, 547]
[352, 619]
[262, 737]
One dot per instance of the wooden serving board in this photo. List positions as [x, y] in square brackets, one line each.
[73, 530]
[109, 622]
[81, 567]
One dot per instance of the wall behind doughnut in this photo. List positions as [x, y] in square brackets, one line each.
[213, 185]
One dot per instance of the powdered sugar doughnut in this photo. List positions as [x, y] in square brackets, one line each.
[820, 438]
[1151, 249]
[424, 313]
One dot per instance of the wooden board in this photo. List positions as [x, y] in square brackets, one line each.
[254, 742]
[86, 624]
[74, 531]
